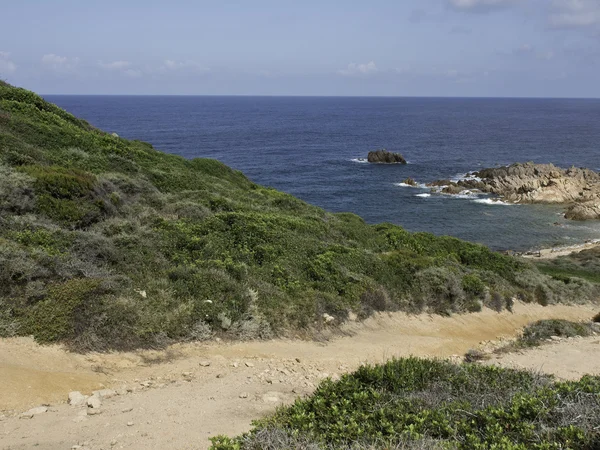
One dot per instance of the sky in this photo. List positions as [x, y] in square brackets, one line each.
[488, 48]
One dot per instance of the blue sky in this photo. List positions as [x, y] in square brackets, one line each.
[532, 48]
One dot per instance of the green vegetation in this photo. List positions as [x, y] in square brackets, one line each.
[541, 331]
[415, 403]
[108, 243]
[584, 264]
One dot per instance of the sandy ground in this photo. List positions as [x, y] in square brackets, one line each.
[180, 397]
[552, 253]
[568, 359]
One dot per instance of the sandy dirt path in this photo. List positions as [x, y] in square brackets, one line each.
[568, 359]
[180, 397]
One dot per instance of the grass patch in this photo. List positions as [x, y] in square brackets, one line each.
[584, 264]
[416, 403]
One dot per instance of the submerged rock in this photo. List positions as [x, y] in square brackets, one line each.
[385, 157]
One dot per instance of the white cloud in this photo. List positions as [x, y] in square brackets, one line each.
[54, 59]
[575, 13]
[530, 52]
[359, 69]
[481, 5]
[6, 65]
[170, 64]
[133, 73]
[115, 65]
[59, 63]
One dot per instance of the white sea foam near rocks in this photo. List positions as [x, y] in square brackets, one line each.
[365, 161]
[463, 177]
[491, 201]
[468, 195]
[424, 195]
[418, 186]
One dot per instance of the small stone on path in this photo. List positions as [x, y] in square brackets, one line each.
[76, 398]
[94, 402]
[34, 412]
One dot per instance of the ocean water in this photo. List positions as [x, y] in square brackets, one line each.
[311, 147]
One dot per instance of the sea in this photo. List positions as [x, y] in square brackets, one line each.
[315, 149]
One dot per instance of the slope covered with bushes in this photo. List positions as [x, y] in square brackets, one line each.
[422, 404]
[109, 243]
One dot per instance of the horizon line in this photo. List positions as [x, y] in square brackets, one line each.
[332, 96]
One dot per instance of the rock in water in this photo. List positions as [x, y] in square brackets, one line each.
[576, 188]
[385, 157]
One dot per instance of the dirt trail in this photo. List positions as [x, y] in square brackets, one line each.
[173, 399]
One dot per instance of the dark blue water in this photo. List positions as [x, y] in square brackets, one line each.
[306, 146]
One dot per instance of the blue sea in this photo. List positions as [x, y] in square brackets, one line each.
[312, 147]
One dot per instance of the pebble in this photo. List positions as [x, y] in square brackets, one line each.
[272, 397]
[94, 402]
[204, 363]
[244, 395]
[249, 364]
[129, 424]
[34, 412]
[76, 398]
[126, 410]
[104, 394]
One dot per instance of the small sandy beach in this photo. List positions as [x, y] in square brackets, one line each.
[555, 252]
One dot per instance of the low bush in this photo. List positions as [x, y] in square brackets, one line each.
[413, 403]
[542, 331]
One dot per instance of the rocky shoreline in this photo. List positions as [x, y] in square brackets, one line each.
[576, 188]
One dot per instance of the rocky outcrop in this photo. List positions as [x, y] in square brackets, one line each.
[578, 188]
[385, 157]
[410, 182]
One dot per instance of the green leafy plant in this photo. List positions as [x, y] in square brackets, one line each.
[406, 402]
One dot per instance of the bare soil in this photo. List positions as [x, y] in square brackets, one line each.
[173, 399]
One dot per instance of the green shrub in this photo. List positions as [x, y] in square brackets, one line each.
[16, 191]
[56, 317]
[472, 284]
[543, 330]
[411, 401]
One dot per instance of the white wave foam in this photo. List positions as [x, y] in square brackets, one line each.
[360, 160]
[491, 201]
[423, 195]
[419, 185]
[464, 177]
[465, 195]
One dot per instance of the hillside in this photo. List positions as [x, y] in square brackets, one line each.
[107, 243]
